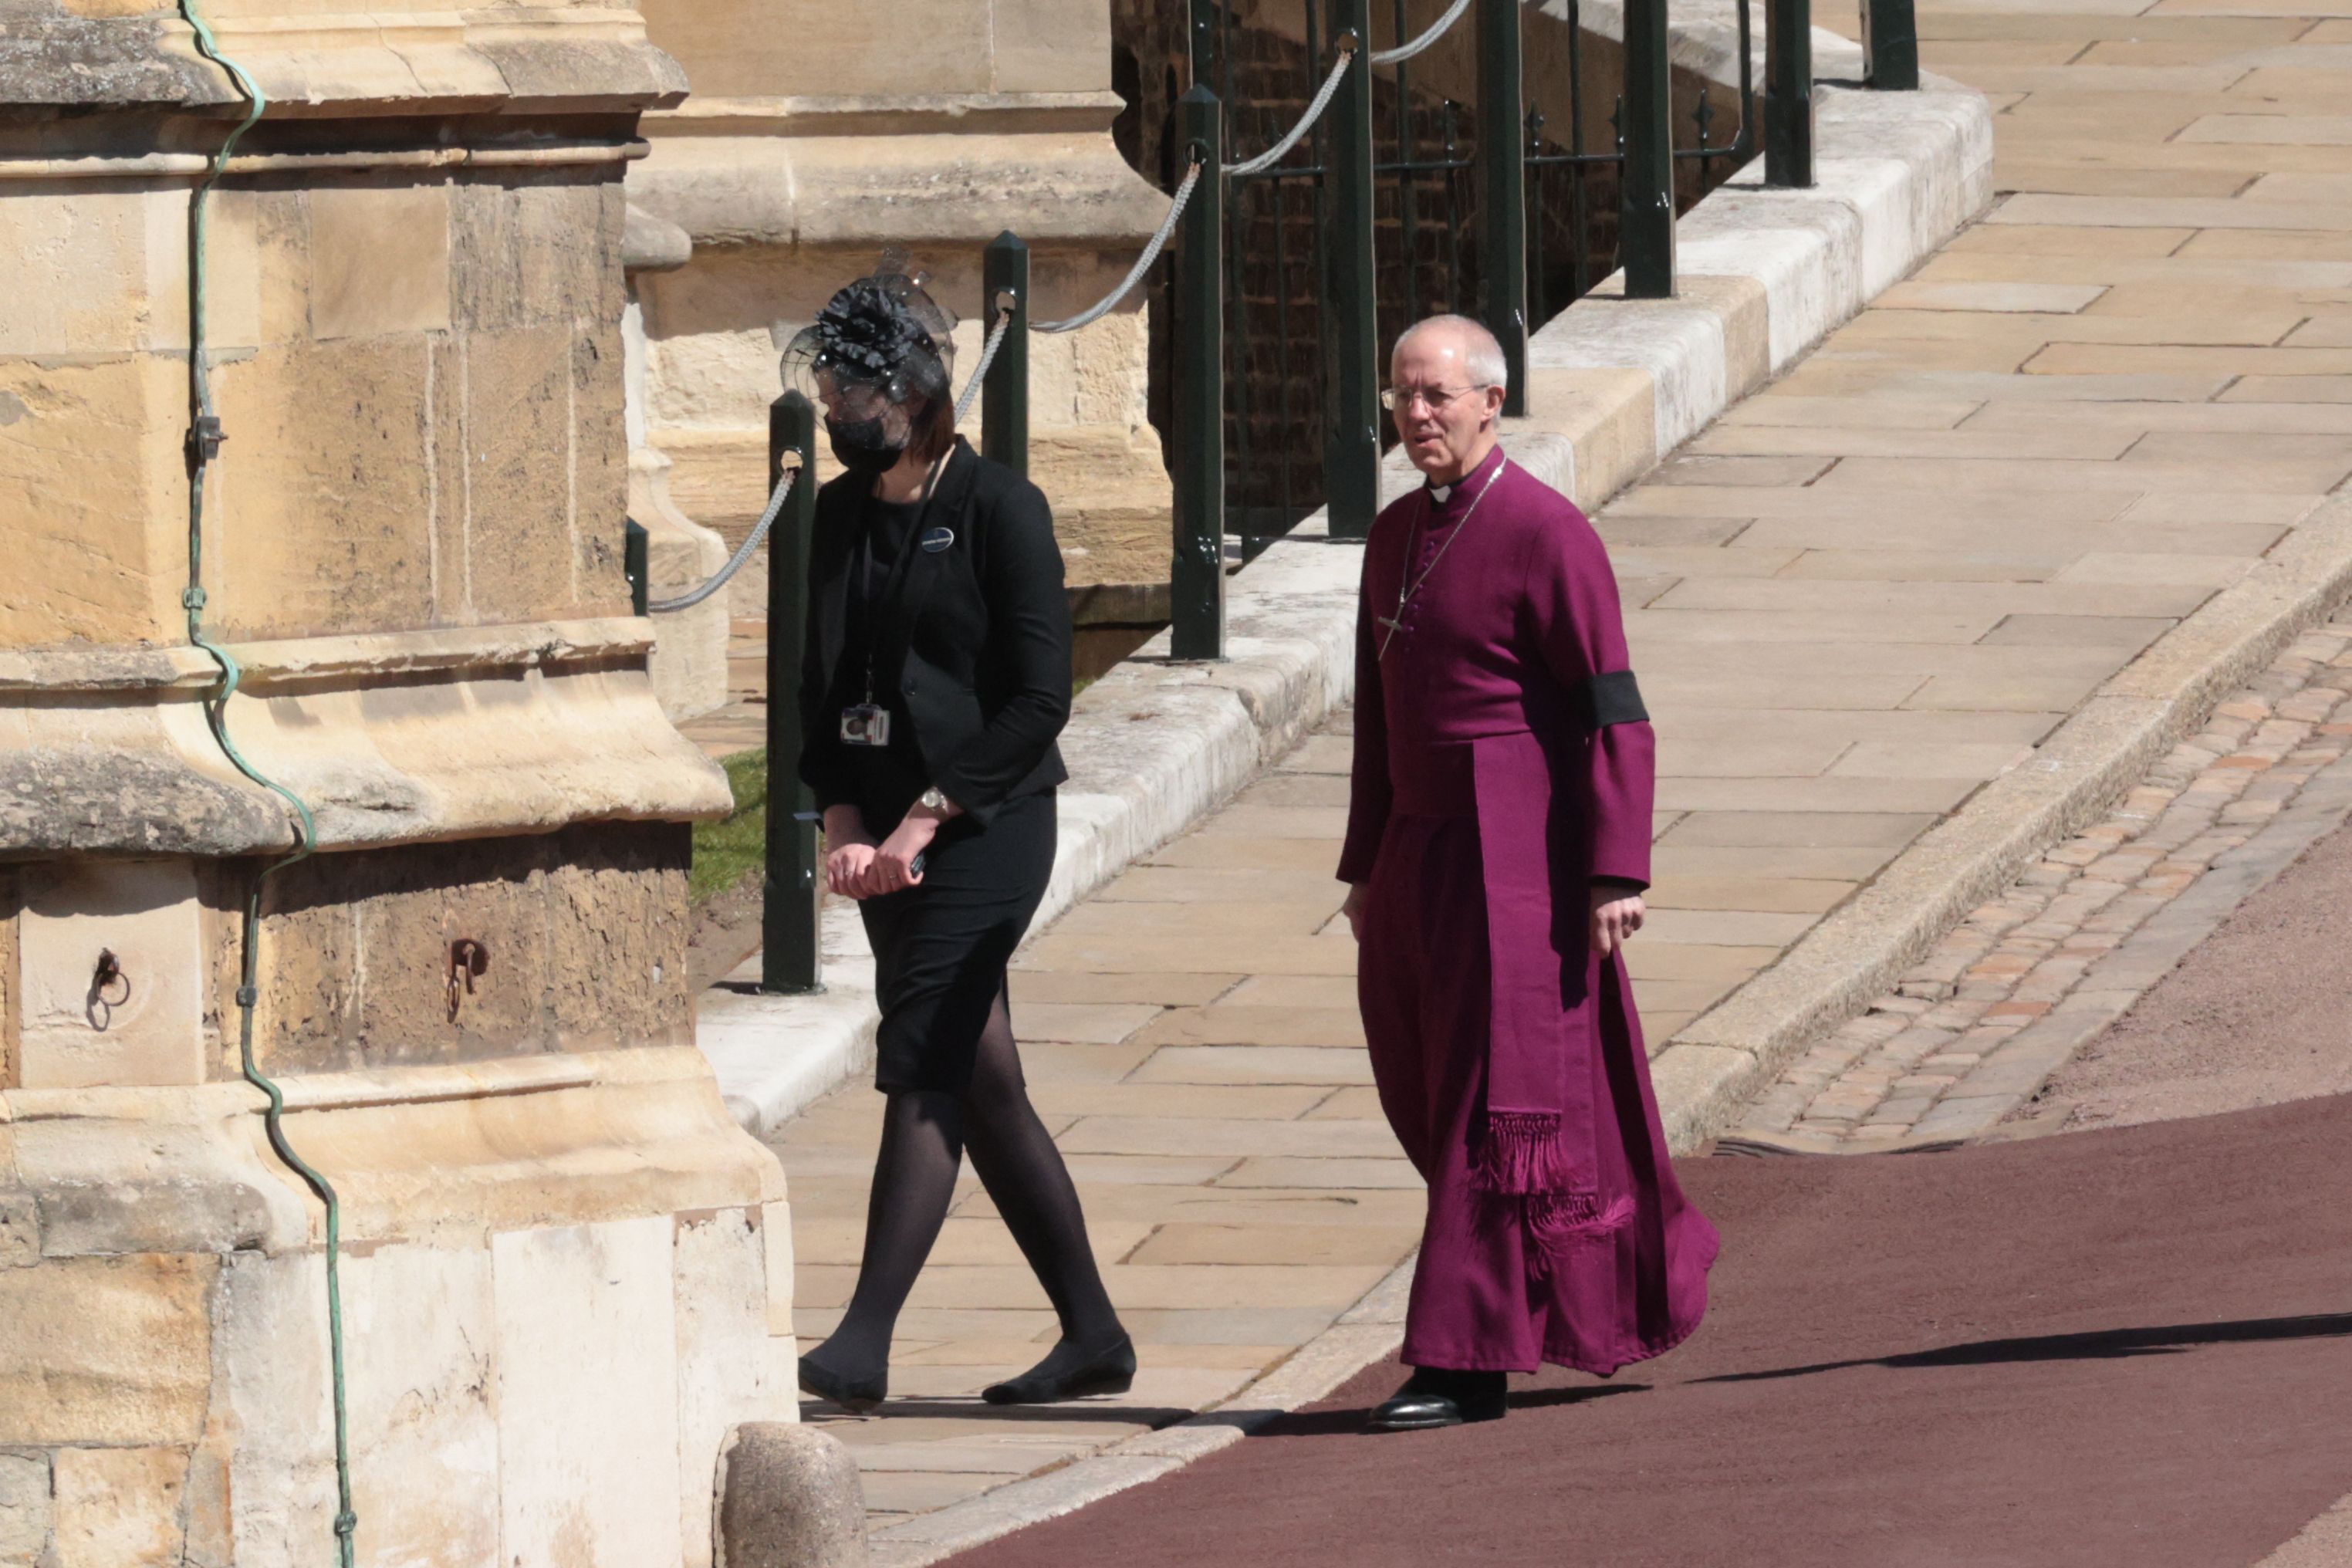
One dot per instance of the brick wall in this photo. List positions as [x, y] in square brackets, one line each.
[1276, 399]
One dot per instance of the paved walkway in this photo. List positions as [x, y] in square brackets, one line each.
[1864, 594]
[1969, 1036]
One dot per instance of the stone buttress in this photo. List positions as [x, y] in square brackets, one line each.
[565, 1272]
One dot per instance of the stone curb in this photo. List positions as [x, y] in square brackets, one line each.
[1154, 745]
[1720, 1059]
[2014, 1074]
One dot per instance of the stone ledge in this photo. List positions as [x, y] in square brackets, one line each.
[936, 185]
[517, 645]
[432, 1153]
[310, 64]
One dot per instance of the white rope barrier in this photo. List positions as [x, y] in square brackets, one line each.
[987, 358]
[1323, 95]
[735, 562]
[1437, 30]
[1159, 241]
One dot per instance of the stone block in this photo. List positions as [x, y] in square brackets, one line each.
[541, 250]
[519, 411]
[776, 1249]
[789, 1497]
[597, 475]
[20, 1226]
[25, 1508]
[331, 489]
[146, 1028]
[588, 1421]
[83, 446]
[116, 1507]
[1051, 45]
[105, 1350]
[732, 1367]
[379, 259]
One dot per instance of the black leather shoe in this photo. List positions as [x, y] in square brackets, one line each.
[858, 1397]
[1108, 1371]
[1434, 1397]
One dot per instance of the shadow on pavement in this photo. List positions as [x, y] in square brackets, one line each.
[2097, 1345]
[1153, 1416]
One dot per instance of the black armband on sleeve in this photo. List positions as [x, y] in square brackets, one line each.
[1614, 698]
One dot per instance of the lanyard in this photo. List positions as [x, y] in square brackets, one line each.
[898, 574]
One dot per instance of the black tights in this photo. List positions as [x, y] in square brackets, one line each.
[924, 1135]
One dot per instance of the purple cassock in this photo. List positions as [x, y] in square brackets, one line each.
[1503, 765]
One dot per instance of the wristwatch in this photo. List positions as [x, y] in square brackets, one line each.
[932, 800]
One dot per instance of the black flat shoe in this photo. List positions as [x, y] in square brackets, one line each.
[859, 1398]
[1434, 1397]
[1110, 1371]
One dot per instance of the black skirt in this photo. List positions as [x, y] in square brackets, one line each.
[940, 948]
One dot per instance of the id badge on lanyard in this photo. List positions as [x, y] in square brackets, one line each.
[867, 723]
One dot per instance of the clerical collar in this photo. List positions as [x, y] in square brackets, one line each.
[1441, 494]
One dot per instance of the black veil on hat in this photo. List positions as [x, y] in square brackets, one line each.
[884, 332]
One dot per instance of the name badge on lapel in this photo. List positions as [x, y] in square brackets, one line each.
[937, 539]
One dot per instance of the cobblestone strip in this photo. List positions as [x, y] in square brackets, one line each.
[1960, 1043]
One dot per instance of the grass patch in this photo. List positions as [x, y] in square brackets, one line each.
[725, 850]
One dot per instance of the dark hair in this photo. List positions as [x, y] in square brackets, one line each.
[933, 430]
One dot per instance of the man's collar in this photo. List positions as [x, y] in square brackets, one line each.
[1441, 494]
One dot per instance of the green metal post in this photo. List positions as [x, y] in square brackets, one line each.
[1646, 236]
[1890, 45]
[1004, 397]
[1197, 576]
[1789, 93]
[1351, 447]
[788, 889]
[635, 565]
[1503, 189]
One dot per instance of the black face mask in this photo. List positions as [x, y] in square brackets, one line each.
[862, 446]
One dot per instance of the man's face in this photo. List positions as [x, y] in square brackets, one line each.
[1444, 419]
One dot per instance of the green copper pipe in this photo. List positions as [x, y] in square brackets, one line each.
[204, 442]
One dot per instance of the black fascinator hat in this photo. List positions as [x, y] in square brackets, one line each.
[883, 332]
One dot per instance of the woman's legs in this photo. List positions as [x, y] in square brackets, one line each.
[914, 1181]
[924, 1135]
[1030, 1185]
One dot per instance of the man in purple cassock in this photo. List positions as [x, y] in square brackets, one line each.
[1499, 844]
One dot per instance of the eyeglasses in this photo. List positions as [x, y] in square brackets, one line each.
[1396, 397]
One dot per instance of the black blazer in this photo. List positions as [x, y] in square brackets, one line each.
[976, 640]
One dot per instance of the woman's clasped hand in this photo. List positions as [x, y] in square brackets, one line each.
[858, 867]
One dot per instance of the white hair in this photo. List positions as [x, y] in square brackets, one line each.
[1481, 354]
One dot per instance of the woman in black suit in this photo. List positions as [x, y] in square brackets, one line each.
[938, 676]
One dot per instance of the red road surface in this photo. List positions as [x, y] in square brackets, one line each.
[2125, 1347]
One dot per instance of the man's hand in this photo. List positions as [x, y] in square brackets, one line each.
[1616, 916]
[849, 851]
[1354, 907]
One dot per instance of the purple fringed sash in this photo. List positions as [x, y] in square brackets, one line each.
[1537, 1154]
